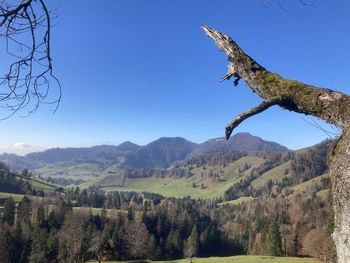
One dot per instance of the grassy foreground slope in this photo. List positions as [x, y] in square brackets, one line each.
[248, 259]
[243, 259]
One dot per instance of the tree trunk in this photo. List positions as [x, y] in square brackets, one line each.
[326, 104]
[340, 175]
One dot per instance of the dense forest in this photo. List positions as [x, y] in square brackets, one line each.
[149, 226]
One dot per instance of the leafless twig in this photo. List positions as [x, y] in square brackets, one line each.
[28, 81]
[331, 134]
[282, 4]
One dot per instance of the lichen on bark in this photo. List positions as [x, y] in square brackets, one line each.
[326, 104]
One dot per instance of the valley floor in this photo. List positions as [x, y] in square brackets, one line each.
[240, 259]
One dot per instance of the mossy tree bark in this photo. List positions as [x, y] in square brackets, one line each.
[326, 104]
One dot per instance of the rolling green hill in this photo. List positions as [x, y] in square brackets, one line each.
[307, 185]
[40, 184]
[275, 175]
[199, 185]
[247, 176]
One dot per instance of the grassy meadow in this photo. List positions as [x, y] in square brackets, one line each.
[192, 186]
[181, 187]
[16, 197]
[275, 175]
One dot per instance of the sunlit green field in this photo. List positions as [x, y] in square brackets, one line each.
[16, 197]
[40, 185]
[242, 259]
[303, 187]
[181, 187]
[238, 201]
[275, 175]
[248, 259]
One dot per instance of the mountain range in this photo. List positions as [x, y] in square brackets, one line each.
[245, 165]
[160, 153]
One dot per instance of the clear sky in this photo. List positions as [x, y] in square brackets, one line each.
[140, 70]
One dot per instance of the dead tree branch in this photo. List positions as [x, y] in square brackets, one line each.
[249, 113]
[299, 97]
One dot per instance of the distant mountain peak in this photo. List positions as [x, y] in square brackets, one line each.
[245, 140]
[127, 146]
[242, 141]
[160, 153]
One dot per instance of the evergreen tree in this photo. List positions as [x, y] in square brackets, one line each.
[22, 234]
[24, 211]
[8, 249]
[8, 215]
[192, 243]
[204, 242]
[153, 250]
[272, 238]
[52, 245]
[39, 249]
[131, 214]
[174, 244]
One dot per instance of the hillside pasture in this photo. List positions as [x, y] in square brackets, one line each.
[17, 197]
[199, 185]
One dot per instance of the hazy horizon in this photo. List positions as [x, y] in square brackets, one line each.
[21, 148]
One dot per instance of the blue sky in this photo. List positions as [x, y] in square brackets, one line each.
[140, 70]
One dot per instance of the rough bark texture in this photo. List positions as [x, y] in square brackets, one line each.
[326, 104]
[340, 175]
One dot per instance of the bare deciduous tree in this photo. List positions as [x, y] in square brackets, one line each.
[315, 244]
[326, 104]
[28, 81]
[137, 239]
